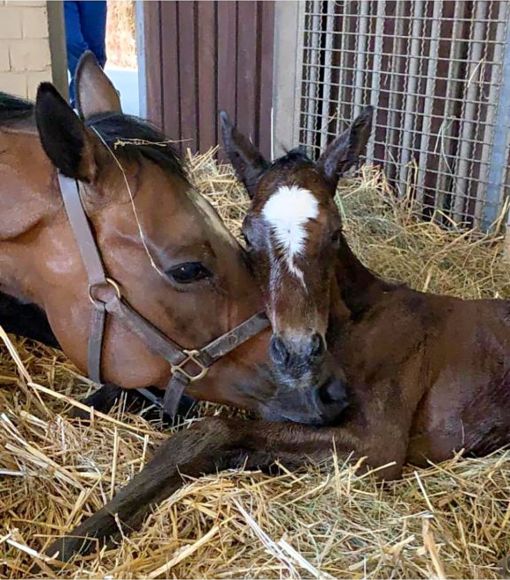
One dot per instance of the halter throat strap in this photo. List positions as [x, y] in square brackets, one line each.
[105, 294]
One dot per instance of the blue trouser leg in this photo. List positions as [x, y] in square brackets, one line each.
[93, 27]
[85, 30]
[75, 43]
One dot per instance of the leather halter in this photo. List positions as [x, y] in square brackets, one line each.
[105, 294]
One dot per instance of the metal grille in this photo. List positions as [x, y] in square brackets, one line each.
[438, 74]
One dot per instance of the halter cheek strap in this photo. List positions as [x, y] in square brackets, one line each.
[105, 294]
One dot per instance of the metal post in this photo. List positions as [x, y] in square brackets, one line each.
[326, 92]
[469, 109]
[361, 47]
[429, 99]
[57, 32]
[498, 160]
[376, 74]
[410, 100]
[287, 75]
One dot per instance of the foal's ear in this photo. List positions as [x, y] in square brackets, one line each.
[70, 146]
[244, 156]
[345, 150]
[95, 92]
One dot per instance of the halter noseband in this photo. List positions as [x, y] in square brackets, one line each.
[186, 366]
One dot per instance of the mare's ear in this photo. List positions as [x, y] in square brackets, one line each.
[95, 92]
[71, 147]
[246, 159]
[345, 150]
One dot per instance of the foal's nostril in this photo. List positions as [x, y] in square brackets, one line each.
[278, 351]
[317, 346]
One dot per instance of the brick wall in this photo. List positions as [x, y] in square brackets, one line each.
[25, 59]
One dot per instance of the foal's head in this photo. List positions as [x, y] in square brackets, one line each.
[293, 232]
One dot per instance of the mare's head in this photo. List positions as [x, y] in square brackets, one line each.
[174, 260]
[292, 232]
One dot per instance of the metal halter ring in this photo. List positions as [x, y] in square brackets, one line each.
[109, 281]
[191, 356]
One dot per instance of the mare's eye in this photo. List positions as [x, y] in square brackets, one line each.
[188, 272]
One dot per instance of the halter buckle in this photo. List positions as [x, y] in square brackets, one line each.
[191, 357]
[108, 282]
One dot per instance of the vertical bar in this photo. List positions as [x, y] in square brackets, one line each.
[409, 114]
[313, 73]
[395, 84]
[265, 66]
[57, 34]
[299, 102]
[430, 89]
[151, 60]
[340, 112]
[445, 167]
[227, 58]
[498, 160]
[247, 69]
[326, 91]
[376, 73]
[469, 111]
[187, 70]
[206, 65]
[361, 48]
[482, 197]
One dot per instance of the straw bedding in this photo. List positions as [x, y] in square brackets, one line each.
[451, 520]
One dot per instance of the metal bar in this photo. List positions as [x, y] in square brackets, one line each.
[314, 57]
[344, 38]
[488, 127]
[376, 74]
[361, 46]
[468, 113]
[410, 100]
[453, 88]
[287, 73]
[498, 160]
[326, 92]
[429, 99]
[396, 63]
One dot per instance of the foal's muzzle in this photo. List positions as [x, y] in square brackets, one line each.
[298, 355]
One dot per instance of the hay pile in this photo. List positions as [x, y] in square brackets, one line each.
[451, 520]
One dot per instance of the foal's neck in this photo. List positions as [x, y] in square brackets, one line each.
[359, 287]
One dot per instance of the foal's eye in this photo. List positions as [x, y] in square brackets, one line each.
[246, 240]
[188, 272]
[335, 238]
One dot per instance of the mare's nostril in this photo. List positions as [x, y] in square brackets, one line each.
[332, 392]
[316, 345]
[278, 351]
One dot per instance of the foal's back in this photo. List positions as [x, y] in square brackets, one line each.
[467, 403]
[449, 358]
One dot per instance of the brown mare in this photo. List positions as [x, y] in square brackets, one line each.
[428, 375]
[178, 268]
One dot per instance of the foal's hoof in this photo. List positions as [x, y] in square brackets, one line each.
[67, 547]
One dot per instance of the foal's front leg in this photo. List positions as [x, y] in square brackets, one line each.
[209, 445]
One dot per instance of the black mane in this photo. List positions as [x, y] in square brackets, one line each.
[14, 108]
[127, 136]
[296, 156]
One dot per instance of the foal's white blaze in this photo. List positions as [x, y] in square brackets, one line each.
[287, 211]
